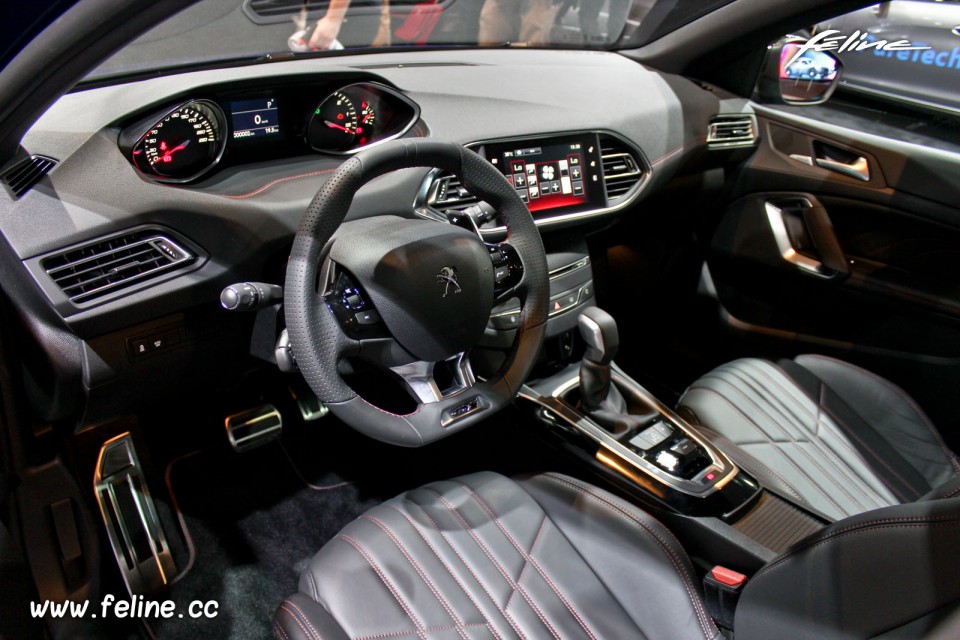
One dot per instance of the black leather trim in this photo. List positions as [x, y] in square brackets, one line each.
[483, 556]
[889, 466]
[863, 576]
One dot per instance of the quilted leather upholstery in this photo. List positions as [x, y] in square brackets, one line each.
[822, 432]
[484, 556]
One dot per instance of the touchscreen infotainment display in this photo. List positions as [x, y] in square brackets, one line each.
[558, 174]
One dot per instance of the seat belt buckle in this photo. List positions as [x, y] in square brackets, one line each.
[721, 590]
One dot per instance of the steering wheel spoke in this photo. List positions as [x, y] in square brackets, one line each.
[421, 380]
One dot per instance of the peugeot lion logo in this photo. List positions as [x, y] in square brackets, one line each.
[448, 278]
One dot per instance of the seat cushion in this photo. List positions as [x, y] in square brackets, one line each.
[484, 556]
[821, 432]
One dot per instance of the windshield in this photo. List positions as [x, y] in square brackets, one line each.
[213, 31]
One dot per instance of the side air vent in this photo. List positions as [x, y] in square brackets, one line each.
[727, 131]
[24, 174]
[96, 269]
[621, 169]
[446, 193]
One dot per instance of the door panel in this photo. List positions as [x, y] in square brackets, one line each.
[817, 256]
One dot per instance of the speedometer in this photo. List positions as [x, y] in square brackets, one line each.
[182, 145]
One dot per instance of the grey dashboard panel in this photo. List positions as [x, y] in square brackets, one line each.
[244, 213]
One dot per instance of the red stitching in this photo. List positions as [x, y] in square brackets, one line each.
[304, 616]
[513, 585]
[664, 546]
[279, 632]
[397, 634]
[386, 582]
[416, 566]
[450, 570]
[530, 559]
[273, 183]
[299, 624]
[433, 522]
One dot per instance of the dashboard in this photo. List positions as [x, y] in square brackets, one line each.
[583, 137]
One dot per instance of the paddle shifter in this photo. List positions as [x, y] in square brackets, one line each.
[600, 399]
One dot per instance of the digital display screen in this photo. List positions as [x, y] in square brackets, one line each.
[254, 118]
[552, 174]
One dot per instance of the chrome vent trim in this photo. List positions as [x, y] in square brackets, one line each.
[734, 130]
[95, 269]
[622, 170]
[22, 175]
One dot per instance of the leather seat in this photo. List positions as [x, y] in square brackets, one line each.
[824, 433]
[484, 556]
[551, 557]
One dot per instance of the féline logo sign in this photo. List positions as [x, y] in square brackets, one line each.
[833, 40]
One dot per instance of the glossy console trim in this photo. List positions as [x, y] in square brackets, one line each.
[614, 454]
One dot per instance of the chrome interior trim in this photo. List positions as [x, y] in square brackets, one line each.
[569, 268]
[720, 463]
[258, 435]
[118, 470]
[418, 376]
[858, 169]
[782, 238]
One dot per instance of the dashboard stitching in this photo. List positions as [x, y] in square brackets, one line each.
[679, 149]
[273, 183]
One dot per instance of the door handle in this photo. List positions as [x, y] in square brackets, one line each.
[859, 168]
[830, 262]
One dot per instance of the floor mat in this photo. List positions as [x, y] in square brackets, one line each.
[253, 521]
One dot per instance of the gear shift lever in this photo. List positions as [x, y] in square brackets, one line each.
[599, 332]
[600, 399]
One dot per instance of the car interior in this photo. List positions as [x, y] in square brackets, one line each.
[642, 328]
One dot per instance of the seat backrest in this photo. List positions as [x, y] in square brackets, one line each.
[892, 571]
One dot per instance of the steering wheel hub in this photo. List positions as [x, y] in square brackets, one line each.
[431, 283]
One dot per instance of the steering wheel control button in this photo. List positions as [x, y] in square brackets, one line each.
[510, 320]
[501, 273]
[367, 317]
[461, 411]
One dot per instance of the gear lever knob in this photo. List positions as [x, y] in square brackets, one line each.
[599, 331]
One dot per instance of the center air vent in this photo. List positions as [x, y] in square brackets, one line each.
[447, 193]
[621, 169]
[94, 270]
[727, 131]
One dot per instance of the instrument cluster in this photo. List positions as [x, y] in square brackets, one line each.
[184, 142]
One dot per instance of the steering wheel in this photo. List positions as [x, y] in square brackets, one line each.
[406, 294]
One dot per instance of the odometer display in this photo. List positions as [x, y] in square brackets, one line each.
[183, 144]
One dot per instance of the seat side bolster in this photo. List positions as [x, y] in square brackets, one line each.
[901, 561]
[639, 560]
[300, 618]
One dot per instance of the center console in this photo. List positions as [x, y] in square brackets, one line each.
[641, 446]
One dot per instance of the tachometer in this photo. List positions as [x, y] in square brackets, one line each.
[184, 144]
[334, 123]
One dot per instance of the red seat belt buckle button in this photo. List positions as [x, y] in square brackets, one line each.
[728, 577]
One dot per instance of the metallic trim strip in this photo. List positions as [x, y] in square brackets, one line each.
[782, 238]
[721, 465]
[117, 471]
